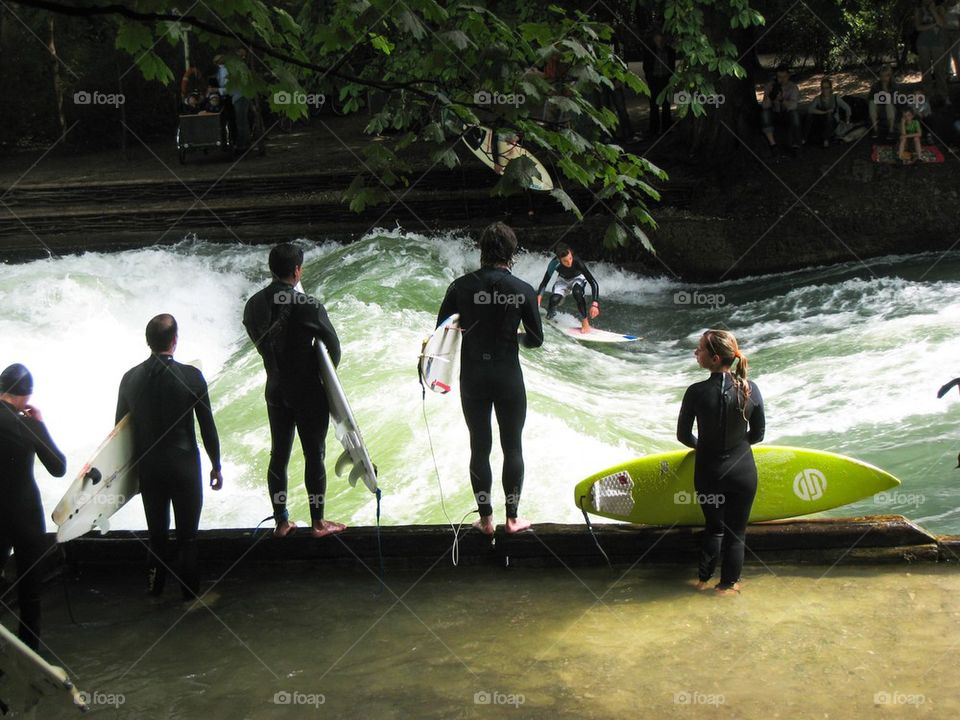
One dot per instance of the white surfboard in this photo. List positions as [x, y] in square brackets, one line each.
[571, 328]
[104, 485]
[27, 677]
[438, 355]
[355, 455]
[480, 141]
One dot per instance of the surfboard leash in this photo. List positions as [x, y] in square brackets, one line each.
[66, 584]
[383, 583]
[586, 519]
[455, 548]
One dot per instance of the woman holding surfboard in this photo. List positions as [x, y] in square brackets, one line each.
[728, 409]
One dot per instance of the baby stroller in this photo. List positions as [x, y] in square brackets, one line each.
[202, 125]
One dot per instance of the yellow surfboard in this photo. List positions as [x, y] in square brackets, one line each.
[658, 489]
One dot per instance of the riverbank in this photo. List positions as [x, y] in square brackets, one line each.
[751, 216]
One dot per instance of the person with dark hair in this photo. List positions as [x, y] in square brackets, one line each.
[781, 101]
[825, 114]
[24, 437]
[572, 277]
[492, 303]
[285, 324]
[659, 63]
[728, 410]
[162, 396]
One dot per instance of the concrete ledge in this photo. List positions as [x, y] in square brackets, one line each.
[875, 539]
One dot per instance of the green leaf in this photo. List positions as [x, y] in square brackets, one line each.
[615, 236]
[566, 201]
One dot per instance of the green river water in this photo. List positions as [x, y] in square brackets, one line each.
[849, 359]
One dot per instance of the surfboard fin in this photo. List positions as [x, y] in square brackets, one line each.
[355, 475]
[343, 462]
[93, 475]
[103, 525]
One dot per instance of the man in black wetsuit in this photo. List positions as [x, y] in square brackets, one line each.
[23, 437]
[729, 412]
[573, 278]
[162, 397]
[285, 324]
[492, 303]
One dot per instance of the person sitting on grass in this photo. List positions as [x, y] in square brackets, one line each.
[910, 132]
[824, 113]
[781, 100]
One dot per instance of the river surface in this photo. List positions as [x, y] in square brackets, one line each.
[848, 358]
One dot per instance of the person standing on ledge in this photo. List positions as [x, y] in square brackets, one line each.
[729, 414]
[573, 278]
[23, 437]
[285, 324]
[492, 303]
[162, 396]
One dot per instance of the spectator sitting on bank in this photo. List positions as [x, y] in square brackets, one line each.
[910, 133]
[781, 100]
[882, 103]
[824, 114]
[659, 62]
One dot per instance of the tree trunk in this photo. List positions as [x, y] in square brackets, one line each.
[717, 136]
[57, 78]
[123, 110]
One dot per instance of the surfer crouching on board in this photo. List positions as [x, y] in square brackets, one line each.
[23, 436]
[492, 303]
[728, 409]
[284, 323]
[573, 277]
[162, 397]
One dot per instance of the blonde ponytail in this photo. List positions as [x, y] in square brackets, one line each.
[724, 345]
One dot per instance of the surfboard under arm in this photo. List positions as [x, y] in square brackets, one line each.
[345, 427]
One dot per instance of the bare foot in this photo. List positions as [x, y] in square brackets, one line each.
[485, 525]
[322, 528]
[284, 528]
[517, 525]
[584, 326]
[732, 590]
[701, 584]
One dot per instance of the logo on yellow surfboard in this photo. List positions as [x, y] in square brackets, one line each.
[809, 484]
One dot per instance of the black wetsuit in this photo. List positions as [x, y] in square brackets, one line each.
[569, 273]
[22, 526]
[725, 475]
[162, 396]
[284, 324]
[492, 303]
